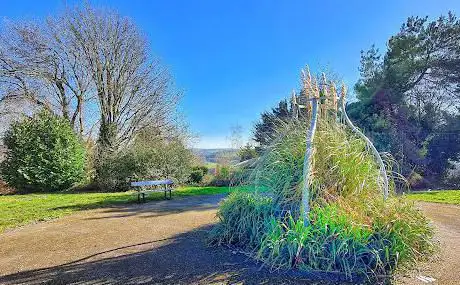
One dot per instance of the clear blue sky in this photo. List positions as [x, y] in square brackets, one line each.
[234, 59]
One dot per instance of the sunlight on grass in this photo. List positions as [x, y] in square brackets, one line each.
[445, 196]
[17, 210]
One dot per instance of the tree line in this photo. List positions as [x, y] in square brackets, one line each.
[408, 100]
[93, 69]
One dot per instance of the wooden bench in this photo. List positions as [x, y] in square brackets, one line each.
[153, 186]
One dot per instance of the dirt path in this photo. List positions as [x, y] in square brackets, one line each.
[445, 267]
[161, 242]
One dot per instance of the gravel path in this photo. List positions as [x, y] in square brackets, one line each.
[152, 243]
[445, 266]
[162, 242]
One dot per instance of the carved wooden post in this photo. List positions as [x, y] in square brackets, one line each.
[377, 156]
[325, 99]
[307, 164]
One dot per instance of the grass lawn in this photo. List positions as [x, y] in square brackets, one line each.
[17, 210]
[443, 196]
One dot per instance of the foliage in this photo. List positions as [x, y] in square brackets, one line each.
[333, 242]
[5, 189]
[44, 154]
[19, 210]
[222, 176]
[351, 230]
[408, 98]
[442, 196]
[148, 158]
[57, 58]
[197, 174]
[241, 219]
[265, 129]
[247, 152]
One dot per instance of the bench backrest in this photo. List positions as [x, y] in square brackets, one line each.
[152, 182]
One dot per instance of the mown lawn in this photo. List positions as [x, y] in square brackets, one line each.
[17, 210]
[443, 196]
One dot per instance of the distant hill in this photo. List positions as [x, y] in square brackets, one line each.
[212, 155]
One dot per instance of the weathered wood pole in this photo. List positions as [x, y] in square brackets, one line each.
[378, 158]
[307, 164]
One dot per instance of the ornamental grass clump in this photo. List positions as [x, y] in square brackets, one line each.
[351, 229]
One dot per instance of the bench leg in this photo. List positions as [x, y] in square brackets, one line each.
[139, 198]
[170, 197]
[143, 197]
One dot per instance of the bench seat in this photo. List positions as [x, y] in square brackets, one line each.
[144, 187]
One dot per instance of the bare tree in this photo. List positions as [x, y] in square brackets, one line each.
[39, 68]
[236, 136]
[133, 90]
[83, 55]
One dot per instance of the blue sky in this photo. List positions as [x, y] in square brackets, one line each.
[234, 59]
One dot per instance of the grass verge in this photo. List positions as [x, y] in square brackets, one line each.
[18, 210]
[442, 196]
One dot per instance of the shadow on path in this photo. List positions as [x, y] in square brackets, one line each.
[183, 259]
[161, 208]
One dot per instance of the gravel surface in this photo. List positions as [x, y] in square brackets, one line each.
[444, 267]
[153, 243]
[165, 243]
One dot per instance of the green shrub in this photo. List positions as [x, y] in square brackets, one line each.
[223, 176]
[147, 158]
[197, 174]
[114, 173]
[44, 154]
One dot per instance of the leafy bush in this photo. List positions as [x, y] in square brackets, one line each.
[148, 158]
[44, 154]
[197, 174]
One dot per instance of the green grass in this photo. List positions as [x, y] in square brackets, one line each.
[17, 210]
[443, 196]
[210, 165]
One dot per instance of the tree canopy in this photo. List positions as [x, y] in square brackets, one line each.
[265, 129]
[409, 97]
[90, 66]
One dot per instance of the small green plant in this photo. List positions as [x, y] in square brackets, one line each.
[43, 154]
